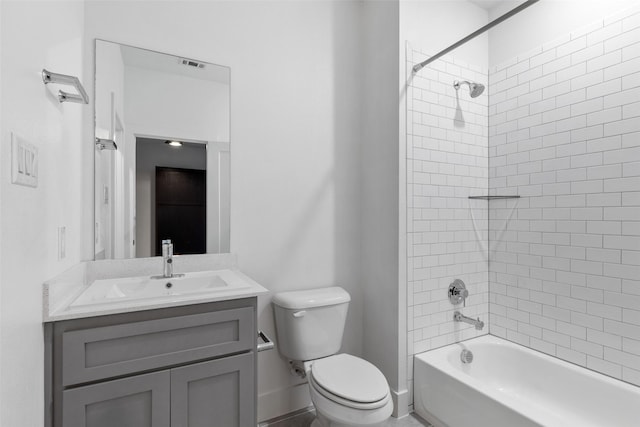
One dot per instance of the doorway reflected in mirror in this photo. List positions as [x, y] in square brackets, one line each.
[171, 196]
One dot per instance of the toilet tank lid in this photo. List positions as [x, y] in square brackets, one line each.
[311, 298]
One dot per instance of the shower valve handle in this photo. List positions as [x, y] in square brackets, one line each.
[458, 292]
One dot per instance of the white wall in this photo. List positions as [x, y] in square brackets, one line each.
[447, 235]
[295, 135]
[564, 126]
[433, 25]
[108, 104]
[110, 82]
[428, 27]
[169, 105]
[2, 166]
[544, 22]
[32, 38]
[383, 342]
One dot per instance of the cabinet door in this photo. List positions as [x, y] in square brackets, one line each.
[139, 401]
[219, 393]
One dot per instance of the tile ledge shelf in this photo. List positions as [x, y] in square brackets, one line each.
[493, 197]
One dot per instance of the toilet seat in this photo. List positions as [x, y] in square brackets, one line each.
[350, 381]
[328, 411]
[345, 402]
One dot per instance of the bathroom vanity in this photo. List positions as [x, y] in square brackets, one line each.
[127, 342]
[178, 360]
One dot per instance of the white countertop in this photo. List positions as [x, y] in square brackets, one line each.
[59, 292]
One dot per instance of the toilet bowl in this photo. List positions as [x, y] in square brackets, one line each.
[348, 391]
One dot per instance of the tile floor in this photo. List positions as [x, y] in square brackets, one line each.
[411, 421]
[305, 419]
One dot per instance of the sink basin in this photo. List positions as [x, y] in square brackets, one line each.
[135, 288]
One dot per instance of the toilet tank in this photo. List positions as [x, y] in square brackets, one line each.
[310, 323]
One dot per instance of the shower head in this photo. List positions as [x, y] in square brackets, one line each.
[475, 89]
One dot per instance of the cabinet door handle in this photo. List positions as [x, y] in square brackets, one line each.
[264, 342]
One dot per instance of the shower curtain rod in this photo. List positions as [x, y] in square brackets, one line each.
[490, 25]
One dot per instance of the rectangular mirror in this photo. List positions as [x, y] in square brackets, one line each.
[162, 153]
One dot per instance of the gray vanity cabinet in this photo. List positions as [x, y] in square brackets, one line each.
[212, 394]
[138, 401]
[189, 366]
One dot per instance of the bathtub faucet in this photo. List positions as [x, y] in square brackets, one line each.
[459, 317]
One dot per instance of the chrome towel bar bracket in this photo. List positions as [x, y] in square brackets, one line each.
[106, 144]
[81, 97]
[264, 342]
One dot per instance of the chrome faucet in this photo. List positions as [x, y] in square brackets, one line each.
[459, 317]
[167, 258]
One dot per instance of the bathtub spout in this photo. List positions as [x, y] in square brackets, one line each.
[459, 317]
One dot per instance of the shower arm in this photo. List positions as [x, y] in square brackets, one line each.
[475, 34]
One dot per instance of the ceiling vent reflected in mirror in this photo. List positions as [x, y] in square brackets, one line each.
[192, 63]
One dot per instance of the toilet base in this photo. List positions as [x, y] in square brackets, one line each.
[321, 421]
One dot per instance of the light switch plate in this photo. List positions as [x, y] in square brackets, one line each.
[24, 162]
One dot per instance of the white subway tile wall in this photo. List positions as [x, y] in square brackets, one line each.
[564, 133]
[447, 150]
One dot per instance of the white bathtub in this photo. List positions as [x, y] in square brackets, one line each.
[508, 385]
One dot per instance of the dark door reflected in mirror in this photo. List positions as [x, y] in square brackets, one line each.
[181, 210]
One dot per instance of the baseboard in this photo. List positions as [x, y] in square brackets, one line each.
[432, 420]
[283, 401]
[400, 403]
[299, 417]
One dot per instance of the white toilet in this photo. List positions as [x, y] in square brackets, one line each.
[345, 390]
